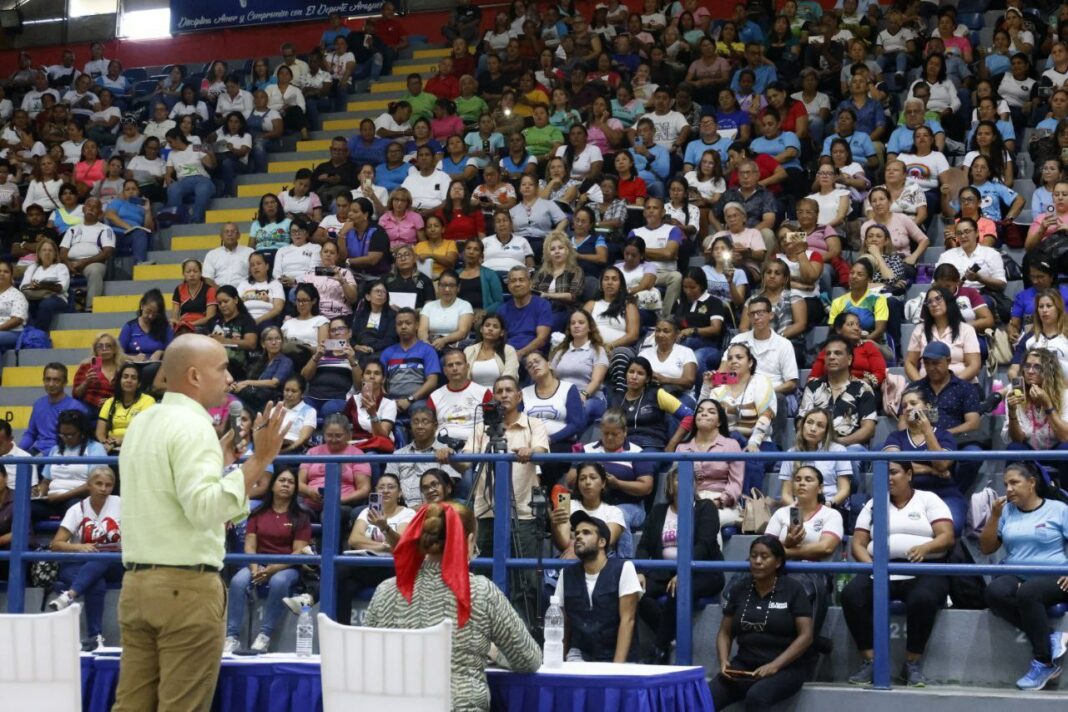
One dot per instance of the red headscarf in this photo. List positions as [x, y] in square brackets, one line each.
[407, 560]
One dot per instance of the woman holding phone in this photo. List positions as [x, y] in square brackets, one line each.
[769, 616]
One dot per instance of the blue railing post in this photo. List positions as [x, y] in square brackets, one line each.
[684, 573]
[502, 521]
[880, 574]
[20, 541]
[331, 535]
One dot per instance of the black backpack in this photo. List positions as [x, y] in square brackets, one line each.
[966, 592]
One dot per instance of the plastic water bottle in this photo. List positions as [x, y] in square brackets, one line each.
[553, 654]
[305, 633]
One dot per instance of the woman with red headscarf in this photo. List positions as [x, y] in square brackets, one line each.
[433, 584]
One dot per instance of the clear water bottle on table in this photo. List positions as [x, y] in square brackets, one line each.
[553, 653]
[305, 633]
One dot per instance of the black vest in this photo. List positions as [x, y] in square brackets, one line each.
[594, 628]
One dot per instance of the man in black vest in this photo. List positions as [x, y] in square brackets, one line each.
[600, 597]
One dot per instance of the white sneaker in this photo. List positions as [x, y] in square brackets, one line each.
[61, 601]
[230, 645]
[296, 603]
[261, 643]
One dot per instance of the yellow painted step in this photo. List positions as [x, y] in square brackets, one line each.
[80, 338]
[18, 415]
[230, 215]
[368, 105]
[201, 242]
[28, 376]
[382, 87]
[290, 166]
[255, 190]
[424, 68]
[313, 145]
[151, 272]
[121, 303]
[431, 53]
[339, 125]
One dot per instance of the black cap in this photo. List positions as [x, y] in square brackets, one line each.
[603, 531]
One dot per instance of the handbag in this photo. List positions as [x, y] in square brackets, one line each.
[1013, 273]
[44, 573]
[36, 294]
[999, 350]
[650, 299]
[757, 512]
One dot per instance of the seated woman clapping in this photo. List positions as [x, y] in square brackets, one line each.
[1031, 505]
[277, 526]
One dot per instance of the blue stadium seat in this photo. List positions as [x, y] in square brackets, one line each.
[136, 74]
[1058, 610]
[897, 608]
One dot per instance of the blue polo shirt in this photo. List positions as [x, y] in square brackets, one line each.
[956, 399]
[775, 146]
[901, 440]
[1035, 537]
[869, 117]
[764, 74]
[859, 143]
[391, 178]
[407, 369]
[696, 149]
[901, 140]
[374, 153]
[522, 322]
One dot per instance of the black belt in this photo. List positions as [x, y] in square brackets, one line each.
[200, 568]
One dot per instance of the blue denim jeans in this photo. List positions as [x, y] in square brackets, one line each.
[199, 188]
[280, 586]
[90, 581]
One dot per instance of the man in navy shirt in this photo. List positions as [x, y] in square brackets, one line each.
[528, 317]
[412, 366]
[40, 434]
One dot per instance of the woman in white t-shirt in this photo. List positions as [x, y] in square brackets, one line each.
[832, 199]
[62, 484]
[447, 320]
[674, 365]
[187, 176]
[300, 418]
[583, 159]
[809, 531]
[591, 482]
[231, 152]
[90, 526]
[920, 529]
[378, 528]
[815, 434]
[923, 164]
[297, 258]
[262, 296]
[504, 250]
[308, 328]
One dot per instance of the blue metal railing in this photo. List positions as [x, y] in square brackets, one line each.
[880, 569]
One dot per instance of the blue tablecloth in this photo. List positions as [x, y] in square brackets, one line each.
[602, 687]
[261, 685]
[284, 685]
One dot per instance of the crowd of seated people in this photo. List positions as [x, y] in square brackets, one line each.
[796, 230]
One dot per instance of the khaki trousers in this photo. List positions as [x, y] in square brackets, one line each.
[173, 624]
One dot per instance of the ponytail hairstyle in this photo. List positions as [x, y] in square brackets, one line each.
[1044, 486]
[432, 538]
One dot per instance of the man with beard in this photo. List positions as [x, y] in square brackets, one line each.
[600, 597]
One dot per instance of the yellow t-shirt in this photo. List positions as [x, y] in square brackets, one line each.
[120, 419]
[425, 251]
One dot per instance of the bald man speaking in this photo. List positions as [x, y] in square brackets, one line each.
[175, 505]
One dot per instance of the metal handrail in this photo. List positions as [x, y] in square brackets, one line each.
[880, 569]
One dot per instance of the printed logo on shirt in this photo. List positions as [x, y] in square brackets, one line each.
[778, 605]
[914, 516]
[817, 526]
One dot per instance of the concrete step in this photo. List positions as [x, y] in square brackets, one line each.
[292, 165]
[950, 698]
[28, 376]
[135, 288]
[89, 320]
[238, 215]
[206, 238]
[39, 357]
[17, 415]
[166, 257]
[170, 268]
[24, 396]
[81, 338]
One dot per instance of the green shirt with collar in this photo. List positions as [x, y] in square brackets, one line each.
[175, 499]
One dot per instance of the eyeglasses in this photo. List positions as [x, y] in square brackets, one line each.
[1032, 367]
[936, 299]
[303, 300]
[759, 312]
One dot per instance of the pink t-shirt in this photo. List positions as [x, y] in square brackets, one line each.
[402, 231]
[446, 126]
[901, 228]
[1036, 224]
[966, 343]
[350, 472]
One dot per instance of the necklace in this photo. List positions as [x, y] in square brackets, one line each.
[750, 625]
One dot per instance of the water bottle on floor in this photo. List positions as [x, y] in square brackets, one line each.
[305, 633]
[553, 653]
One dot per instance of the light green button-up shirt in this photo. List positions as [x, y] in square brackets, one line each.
[175, 501]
